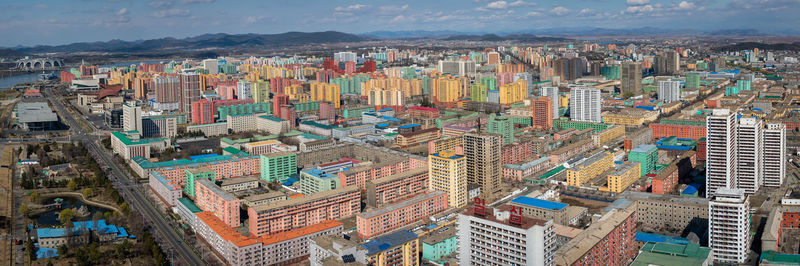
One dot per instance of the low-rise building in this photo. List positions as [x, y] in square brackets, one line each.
[440, 243]
[417, 137]
[519, 172]
[130, 144]
[240, 183]
[622, 177]
[592, 167]
[316, 181]
[166, 190]
[294, 213]
[667, 212]
[279, 248]
[559, 213]
[396, 187]
[378, 221]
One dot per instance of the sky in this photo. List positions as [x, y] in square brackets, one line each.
[53, 22]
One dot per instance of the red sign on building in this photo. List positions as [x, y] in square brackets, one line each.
[480, 206]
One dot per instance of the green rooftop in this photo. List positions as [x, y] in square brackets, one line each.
[671, 254]
[775, 258]
[190, 205]
[234, 151]
[128, 141]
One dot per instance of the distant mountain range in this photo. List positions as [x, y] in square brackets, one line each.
[206, 41]
[251, 42]
[762, 46]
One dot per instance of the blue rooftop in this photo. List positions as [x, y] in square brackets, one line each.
[388, 241]
[691, 188]
[538, 203]
[656, 238]
[43, 253]
[319, 174]
[451, 157]
[195, 157]
[409, 126]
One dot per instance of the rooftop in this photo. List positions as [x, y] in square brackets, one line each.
[528, 164]
[189, 205]
[239, 180]
[310, 198]
[672, 254]
[402, 204]
[386, 242]
[319, 174]
[128, 141]
[573, 250]
[644, 148]
[216, 189]
[539, 203]
[229, 234]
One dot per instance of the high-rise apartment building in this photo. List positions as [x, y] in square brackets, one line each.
[552, 93]
[692, 80]
[774, 155]
[168, 92]
[542, 112]
[212, 65]
[483, 162]
[492, 237]
[203, 112]
[503, 126]
[667, 63]
[244, 90]
[569, 68]
[327, 92]
[448, 172]
[190, 91]
[493, 58]
[344, 57]
[729, 225]
[631, 77]
[669, 90]
[749, 152]
[260, 91]
[585, 104]
[721, 147]
[132, 117]
[457, 67]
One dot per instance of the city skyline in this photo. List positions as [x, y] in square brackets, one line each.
[55, 22]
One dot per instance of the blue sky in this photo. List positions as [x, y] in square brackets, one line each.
[66, 21]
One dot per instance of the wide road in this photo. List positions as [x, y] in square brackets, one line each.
[127, 187]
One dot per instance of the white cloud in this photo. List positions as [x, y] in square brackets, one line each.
[683, 5]
[160, 3]
[497, 5]
[355, 7]
[173, 12]
[639, 9]
[559, 10]
[521, 3]
[534, 14]
[401, 18]
[254, 19]
[637, 2]
[586, 12]
[197, 1]
[122, 11]
[393, 9]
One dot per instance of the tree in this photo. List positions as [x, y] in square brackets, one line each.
[24, 210]
[30, 250]
[66, 216]
[124, 208]
[627, 95]
[88, 193]
[72, 185]
[63, 250]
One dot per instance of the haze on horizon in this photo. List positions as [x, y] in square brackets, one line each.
[54, 22]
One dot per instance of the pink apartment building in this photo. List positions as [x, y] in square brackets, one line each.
[396, 187]
[211, 198]
[378, 221]
[234, 167]
[275, 217]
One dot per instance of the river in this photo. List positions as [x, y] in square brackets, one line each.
[11, 81]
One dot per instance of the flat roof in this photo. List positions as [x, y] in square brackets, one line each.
[671, 254]
[189, 205]
[539, 203]
[263, 142]
[239, 180]
[230, 234]
[305, 199]
[574, 249]
[403, 204]
[216, 189]
[386, 242]
[644, 148]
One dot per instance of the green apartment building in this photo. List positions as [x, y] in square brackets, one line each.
[442, 242]
[278, 166]
[194, 174]
[502, 125]
[646, 155]
[564, 123]
[315, 181]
